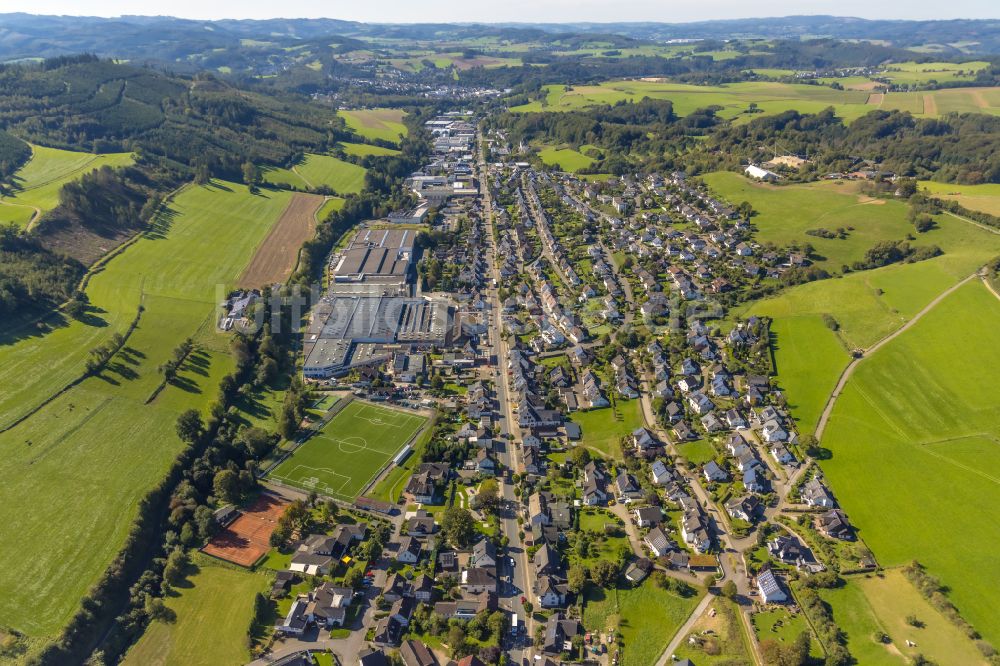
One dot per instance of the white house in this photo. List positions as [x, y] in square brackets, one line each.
[769, 588]
[409, 551]
[760, 174]
[773, 432]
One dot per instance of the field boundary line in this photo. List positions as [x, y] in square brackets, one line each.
[845, 375]
[93, 269]
[984, 227]
[78, 380]
[273, 225]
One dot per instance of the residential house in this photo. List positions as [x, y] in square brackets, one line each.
[754, 480]
[745, 508]
[714, 473]
[694, 531]
[643, 439]
[550, 591]
[660, 473]
[814, 493]
[834, 524]
[700, 403]
[658, 542]
[415, 653]
[627, 487]
[769, 588]
[559, 633]
[409, 550]
[484, 554]
[479, 579]
[648, 516]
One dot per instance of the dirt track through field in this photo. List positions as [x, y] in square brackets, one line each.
[276, 257]
[875, 99]
[930, 105]
[865, 353]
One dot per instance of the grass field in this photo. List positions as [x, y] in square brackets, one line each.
[984, 198]
[727, 636]
[344, 457]
[601, 430]
[567, 158]
[856, 618]
[922, 72]
[770, 97]
[384, 124]
[38, 182]
[914, 440]
[330, 205]
[647, 618]
[390, 487]
[363, 149]
[316, 170]
[809, 360]
[213, 607]
[867, 306]
[785, 213]
[781, 626]
[75, 470]
[594, 520]
[698, 452]
[871, 603]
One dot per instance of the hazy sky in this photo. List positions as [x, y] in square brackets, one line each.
[410, 11]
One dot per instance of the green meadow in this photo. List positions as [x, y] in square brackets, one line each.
[922, 72]
[384, 124]
[330, 205]
[809, 360]
[213, 609]
[567, 158]
[770, 98]
[317, 170]
[76, 468]
[855, 616]
[869, 604]
[914, 441]
[786, 212]
[984, 198]
[867, 306]
[601, 428]
[36, 185]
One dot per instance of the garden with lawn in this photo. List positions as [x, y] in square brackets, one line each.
[602, 429]
[646, 617]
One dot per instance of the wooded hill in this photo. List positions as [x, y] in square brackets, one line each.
[178, 128]
[647, 136]
[83, 103]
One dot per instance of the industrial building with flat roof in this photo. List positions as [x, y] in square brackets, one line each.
[379, 256]
[347, 330]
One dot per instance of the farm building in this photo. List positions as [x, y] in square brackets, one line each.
[760, 174]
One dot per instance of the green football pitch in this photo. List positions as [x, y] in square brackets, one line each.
[342, 458]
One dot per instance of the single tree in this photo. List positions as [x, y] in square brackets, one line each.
[189, 426]
[226, 485]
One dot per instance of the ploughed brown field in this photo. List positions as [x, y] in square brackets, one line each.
[275, 259]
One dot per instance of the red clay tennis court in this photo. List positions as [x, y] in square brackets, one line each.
[247, 539]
